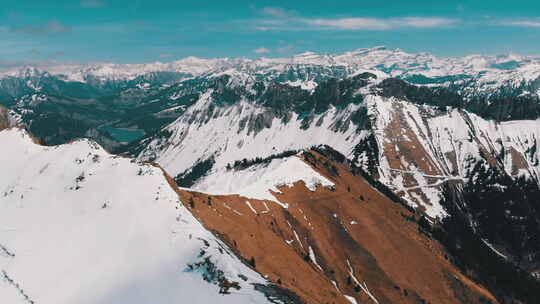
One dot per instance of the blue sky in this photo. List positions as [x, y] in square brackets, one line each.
[162, 30]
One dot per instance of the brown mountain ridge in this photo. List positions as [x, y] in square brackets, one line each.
[345, 244]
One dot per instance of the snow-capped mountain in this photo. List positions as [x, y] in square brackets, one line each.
[78, 225]
[423, 143]
[450, 141]
[108, 101]
[485, 74]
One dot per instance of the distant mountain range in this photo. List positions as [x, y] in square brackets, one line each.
[488, 73]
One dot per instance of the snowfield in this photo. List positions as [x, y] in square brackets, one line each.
[257, 181]
[196, 138]
[78, 225]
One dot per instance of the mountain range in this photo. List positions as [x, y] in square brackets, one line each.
[369, 176]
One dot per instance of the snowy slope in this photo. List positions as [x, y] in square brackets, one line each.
[78, 225]
[195, 136]
[421, 148]
[259, 180]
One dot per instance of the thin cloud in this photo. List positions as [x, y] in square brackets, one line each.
[349, 23]
[521, 23]
[261, 51]
[380, 24]
[92, 3]
[279, 19]
[51, 27]
[427, 22]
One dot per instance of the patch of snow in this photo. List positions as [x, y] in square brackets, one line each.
[351, 299]
[362, 285]
[297, 238]
[289, 171]
[485, 241]
[308, 85]
[251, 207]
[313, 258]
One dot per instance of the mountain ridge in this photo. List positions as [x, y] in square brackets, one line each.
[75, 221]
[308, 220]
[510, 69]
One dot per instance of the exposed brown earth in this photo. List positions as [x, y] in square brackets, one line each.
[4, 119]
[405, 154]
[518, 161]
[332, 243]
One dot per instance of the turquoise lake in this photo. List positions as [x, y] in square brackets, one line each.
[123, 135]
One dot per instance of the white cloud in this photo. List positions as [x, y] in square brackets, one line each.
[521, 23]
[261, 51]
[380, 23]
[279, 19]
[427, 22]
[349, 23]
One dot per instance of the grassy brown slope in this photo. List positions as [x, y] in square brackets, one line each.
[356, 235]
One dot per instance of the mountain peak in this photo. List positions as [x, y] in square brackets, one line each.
[25, 71]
